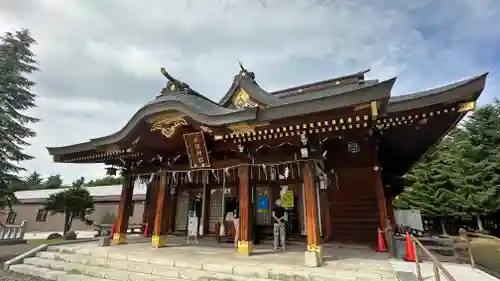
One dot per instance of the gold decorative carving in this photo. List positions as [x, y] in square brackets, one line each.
[241, 129]
[467, 106]
[242, 99]
[374, 108]
[315, 248]
[167, 124]
[245, 247]
[362, 106]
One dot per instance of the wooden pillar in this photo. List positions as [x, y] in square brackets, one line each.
[245, 237]
[206, 207]
[325, 214]
[159, 231]
[121, 224]
[173, 209]
[379, 193]
[390, 212]
[314, 253]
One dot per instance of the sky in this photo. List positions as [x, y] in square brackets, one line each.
[100, 60]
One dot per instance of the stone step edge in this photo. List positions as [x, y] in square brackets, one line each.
[84, 260]
[111, 274]
[172, 262]
[37, 271]
[269, 274]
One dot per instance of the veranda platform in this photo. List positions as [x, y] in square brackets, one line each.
[205, 261]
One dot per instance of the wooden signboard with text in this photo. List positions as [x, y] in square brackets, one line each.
[197, 150]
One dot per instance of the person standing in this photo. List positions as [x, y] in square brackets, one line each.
[279, 226]
[236, 214]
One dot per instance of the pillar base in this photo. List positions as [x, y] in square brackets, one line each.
[159, 241]
[119, 238]
[245, 247]
[314, 256]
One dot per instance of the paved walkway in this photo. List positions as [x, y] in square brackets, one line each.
[44, 235]
[461, 272]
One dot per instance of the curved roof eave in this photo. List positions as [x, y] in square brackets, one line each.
[286, 91]
[468, 89]
[215, 116]
[379, 91]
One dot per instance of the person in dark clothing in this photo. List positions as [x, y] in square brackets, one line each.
[279, 226]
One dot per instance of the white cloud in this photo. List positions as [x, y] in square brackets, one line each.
[100, 60]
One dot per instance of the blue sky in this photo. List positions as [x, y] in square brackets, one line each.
[100, 60]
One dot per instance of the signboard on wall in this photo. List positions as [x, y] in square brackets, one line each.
[263, 203]
[197, 150]
[287, 199]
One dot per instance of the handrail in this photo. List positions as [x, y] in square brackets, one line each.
[436, 263]
[483, 236]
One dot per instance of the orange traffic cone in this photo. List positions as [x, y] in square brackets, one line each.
[410, 250]
[146, 230]
[380, 242]
[113, 229]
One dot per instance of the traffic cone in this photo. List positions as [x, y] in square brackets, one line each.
[146, 230]
[380, 242]
[410, 250]
[113, 229]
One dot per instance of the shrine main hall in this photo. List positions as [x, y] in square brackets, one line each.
[334, 151]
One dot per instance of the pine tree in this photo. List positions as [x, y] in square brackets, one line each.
[16, 63]
[477, 163]
[432, 179]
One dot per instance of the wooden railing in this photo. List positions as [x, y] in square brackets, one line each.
[13, 231]
[436, 264]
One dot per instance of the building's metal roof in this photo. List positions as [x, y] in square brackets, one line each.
[322, 96]
[99, 193]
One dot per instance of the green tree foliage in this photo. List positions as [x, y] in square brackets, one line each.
[74, 203]
[34, 179]
[460, 178]
[79, 182]
[17, 62]
[108, 180]
[53, 182]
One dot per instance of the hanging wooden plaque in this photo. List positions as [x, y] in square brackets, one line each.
[197, 150]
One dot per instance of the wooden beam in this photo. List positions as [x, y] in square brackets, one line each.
[159, 232]
[121, 224]
[245, 238]
[379, 193]
[314, 253]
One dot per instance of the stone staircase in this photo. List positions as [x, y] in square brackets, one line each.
[68, 264]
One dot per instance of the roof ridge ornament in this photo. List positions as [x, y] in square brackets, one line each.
[173, 85]
[245, 72]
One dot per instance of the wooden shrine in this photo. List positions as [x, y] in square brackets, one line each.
[338, 150]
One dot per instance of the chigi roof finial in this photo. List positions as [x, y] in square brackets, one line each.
[173, 85]
[245, 72]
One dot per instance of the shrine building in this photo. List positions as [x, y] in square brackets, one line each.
[334, 151]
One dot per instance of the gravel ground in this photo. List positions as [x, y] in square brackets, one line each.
[8, 252]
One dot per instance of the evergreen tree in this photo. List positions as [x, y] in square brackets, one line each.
[477, 163]
[107, 180]
[17, 62]
[34, 179]
[79, 182]
[430, 177]
[53, 182]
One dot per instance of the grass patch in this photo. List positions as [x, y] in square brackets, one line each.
[487, 252]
